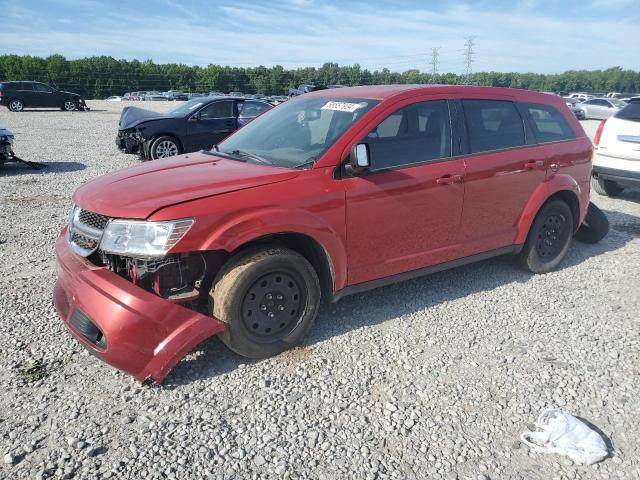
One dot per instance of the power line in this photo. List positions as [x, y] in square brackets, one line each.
[468, 60]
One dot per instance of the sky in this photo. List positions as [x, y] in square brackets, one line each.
[541, 36]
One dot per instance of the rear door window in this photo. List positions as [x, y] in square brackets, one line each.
[492, 125]
[24, 86]
[417, 133]
[548, 124]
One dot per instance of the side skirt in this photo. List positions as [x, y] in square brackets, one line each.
[401, 277]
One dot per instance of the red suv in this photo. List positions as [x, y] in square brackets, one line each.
[330, 193]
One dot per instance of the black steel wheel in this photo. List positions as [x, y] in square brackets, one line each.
[549, 237]
[272, 306]
[549, 241]
[268, 298]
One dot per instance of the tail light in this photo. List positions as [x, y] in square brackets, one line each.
[596, 138]
[1, 93]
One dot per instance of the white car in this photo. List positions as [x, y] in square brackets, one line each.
[114, 98]
[616, 160]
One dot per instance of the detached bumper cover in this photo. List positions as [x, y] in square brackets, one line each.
[129, 328]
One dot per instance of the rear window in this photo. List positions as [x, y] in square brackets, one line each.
[630, 112]
[492, 125]
[548, 123]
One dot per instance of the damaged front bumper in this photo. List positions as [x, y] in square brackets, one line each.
[129, 328]
[130, 142]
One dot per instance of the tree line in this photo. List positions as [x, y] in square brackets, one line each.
[100, 77]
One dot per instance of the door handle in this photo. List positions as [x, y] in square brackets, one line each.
[534, 164]
[449, 179]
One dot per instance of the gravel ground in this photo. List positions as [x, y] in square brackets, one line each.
[432, 378]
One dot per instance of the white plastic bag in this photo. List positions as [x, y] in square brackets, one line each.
[564, 434]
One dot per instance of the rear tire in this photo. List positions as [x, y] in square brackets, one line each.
[268, 298]
[164, 147]
[16, 105]
[549, 238]
[595, 226]
[606, 187]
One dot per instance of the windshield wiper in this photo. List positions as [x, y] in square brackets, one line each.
[250, 155]
[311, 162]
[217, 153]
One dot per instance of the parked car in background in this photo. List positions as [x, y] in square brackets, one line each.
[332, 193]
[278, 99]
[236, 94]
[114, 98]
[616, 162]
[250, 109]
[194, 125]
[598, 108]
[7, 140]
[581, 96]
[216, 94]
[193, 95]
[154, 96]
[174, 95]
[18, 95]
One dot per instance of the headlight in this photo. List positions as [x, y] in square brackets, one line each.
[143, 239]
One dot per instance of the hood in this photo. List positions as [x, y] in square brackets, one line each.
[132, 116]
[70, 93]
[139, 191]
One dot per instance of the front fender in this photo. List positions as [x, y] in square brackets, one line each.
[539, 196]
[255, 224]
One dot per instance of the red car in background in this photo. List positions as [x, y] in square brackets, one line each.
[333, 192]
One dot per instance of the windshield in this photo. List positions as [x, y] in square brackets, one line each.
[186, 108]
[299, 131]
[617, 103]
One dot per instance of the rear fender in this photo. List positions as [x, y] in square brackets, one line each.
[253, 225]
[540, 195]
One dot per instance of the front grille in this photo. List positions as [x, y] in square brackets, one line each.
[94, 220]
[83, 241]
[87, 329]
[85, 231]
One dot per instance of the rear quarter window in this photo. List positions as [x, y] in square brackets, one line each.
[548, 124]
[630, 112]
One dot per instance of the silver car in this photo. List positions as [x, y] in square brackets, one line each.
[599, 108]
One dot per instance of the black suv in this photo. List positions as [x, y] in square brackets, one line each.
[17, 96]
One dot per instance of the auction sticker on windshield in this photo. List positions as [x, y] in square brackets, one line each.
[342, 106]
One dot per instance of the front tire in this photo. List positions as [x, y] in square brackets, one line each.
[268, 298]
[164, 147]
[16, 105]
[606, 187]
[549, 238]
[69, 106]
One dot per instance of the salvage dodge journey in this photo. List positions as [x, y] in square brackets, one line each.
[331, 193]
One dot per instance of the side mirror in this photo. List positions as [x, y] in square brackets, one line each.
[359, 158]
[195, 117]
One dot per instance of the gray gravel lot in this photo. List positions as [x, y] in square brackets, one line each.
[432, 378]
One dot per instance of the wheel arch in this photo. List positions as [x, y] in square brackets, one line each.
[172, 135]
[24, 104]
[562, 187]
[306, 246]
